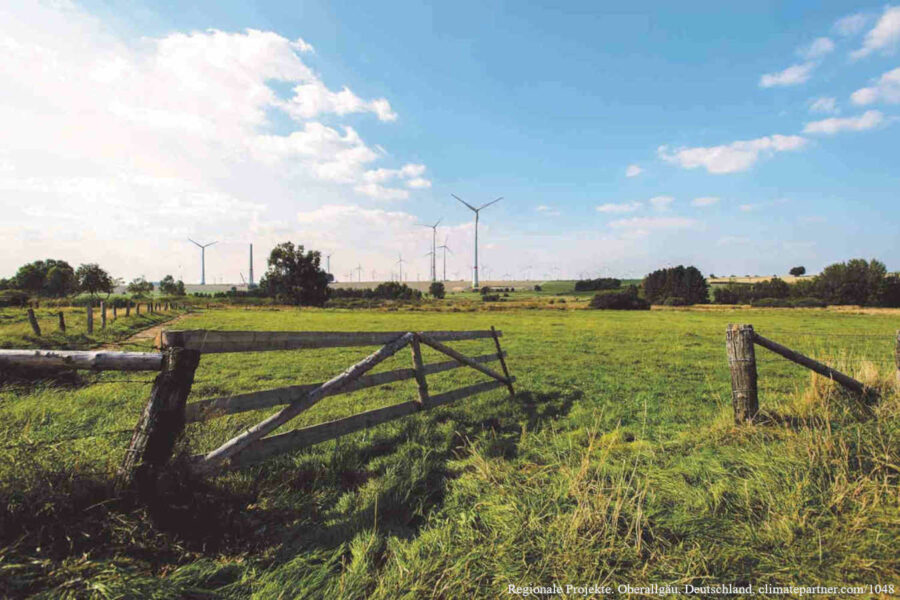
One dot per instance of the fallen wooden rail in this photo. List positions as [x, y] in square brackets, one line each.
[739, 343]
[95, 360]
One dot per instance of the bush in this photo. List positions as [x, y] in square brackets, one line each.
[537, 288]
[675, 301]
[680, 282]
[490, 297]
[13, 298]
[437, 290]
[771, 303]
[807, 302]
[602, 283]
[627, 300]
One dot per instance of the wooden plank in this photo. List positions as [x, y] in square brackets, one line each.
[512, 391]
[308, 436]
[426, 339]
[814, 365]
[237, 444]
[96, 360]
[742, 362]
[225, 405]
[210, 342]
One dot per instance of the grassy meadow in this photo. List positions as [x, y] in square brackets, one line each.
[616, 463]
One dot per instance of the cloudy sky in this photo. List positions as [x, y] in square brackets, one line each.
[742, 138]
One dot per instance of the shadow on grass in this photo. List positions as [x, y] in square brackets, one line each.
[313, 501]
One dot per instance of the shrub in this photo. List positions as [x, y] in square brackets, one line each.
[675, 301]
[627, 300]
[798, 271]
[537, 288]
[485, 290]
[436, 289]
[771, 302]
[13, 298]
[807, 302]
[490, 297]
[602, 283]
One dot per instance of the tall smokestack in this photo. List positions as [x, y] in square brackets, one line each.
[251, 265]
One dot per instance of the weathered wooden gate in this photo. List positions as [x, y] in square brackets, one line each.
[168, 410]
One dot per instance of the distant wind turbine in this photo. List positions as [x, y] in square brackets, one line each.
[476, 211]
[359, 273]
[434, 248]
[446, 249]
[203, 248]
[400, 262]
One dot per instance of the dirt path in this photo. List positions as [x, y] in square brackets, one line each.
[144, 334]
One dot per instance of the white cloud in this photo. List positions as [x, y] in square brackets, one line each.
[619, 208]
[704, 201]
[793, 75]
[167, 137]
[749, 207]
[633, 171]
[654, 223]
[824, 104]
[886, 89]
[818, 48]
[547, 210]
[867, 120]
[661, 203]
[884, 37]
[850, 25]
[733, 157]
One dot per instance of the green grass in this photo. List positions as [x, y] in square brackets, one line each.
[616, 463]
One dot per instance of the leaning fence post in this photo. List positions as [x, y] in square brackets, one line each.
[62, 322]
[162, 422]
[420, 370]
[34, 324]
[90, 316]
[742, 362]
[509, 385]
[102, 314]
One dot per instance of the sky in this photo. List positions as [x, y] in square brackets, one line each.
[742, 138]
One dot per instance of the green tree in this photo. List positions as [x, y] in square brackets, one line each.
[48, 277]
[436, 289]
[295, 275]
[93, 280]
[853, 282]
[170, 287]
[676, 282]
[798, 271]
[140, 286]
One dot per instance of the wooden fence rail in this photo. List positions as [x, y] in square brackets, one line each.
[95, 360]
[739, 344]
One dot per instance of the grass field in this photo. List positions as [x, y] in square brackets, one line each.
[617, 463]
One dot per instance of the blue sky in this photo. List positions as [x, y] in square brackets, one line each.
[781, 118]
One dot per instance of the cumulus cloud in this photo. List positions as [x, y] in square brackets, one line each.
[793, 75]
[654, 223]
[868, 120]
[884, 37]
[886, 89]
[704, 201]
[818, 48]
[823, 105]
[661, 203]
[168, 137]
[850, 25]
[733, 157]
[633, 171]
[547, 210]
[619, 208]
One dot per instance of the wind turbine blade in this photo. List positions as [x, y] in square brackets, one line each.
[213, 243]
[439, 222]
[464, 202]
[491, 202]
[193, 242]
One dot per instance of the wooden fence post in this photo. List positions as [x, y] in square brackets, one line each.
[162, 422]
[128, 308]
[115, 312]
[420, 370]
[62, 322]
[137, 308]
[102, 314]
[742, 362]
[90, 316]
[34, 324]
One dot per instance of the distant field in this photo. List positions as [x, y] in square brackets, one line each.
[785, 278]
[617, 462]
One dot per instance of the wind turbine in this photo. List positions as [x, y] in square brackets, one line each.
[446, 249]
[358, 272]
[476, 211]
[434, 248]
[400, 262]
[203, 248]
[328, 262]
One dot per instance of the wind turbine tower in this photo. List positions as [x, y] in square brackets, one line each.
[400, 262]
[446, 249]
[250, 283]
[476, 211]
[203, 248]
[434, 248]
[328, 263]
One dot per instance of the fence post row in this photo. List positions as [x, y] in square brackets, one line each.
[742, 363]
[162, 421]
[32, 320]
[90, 316]
[102, 314]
